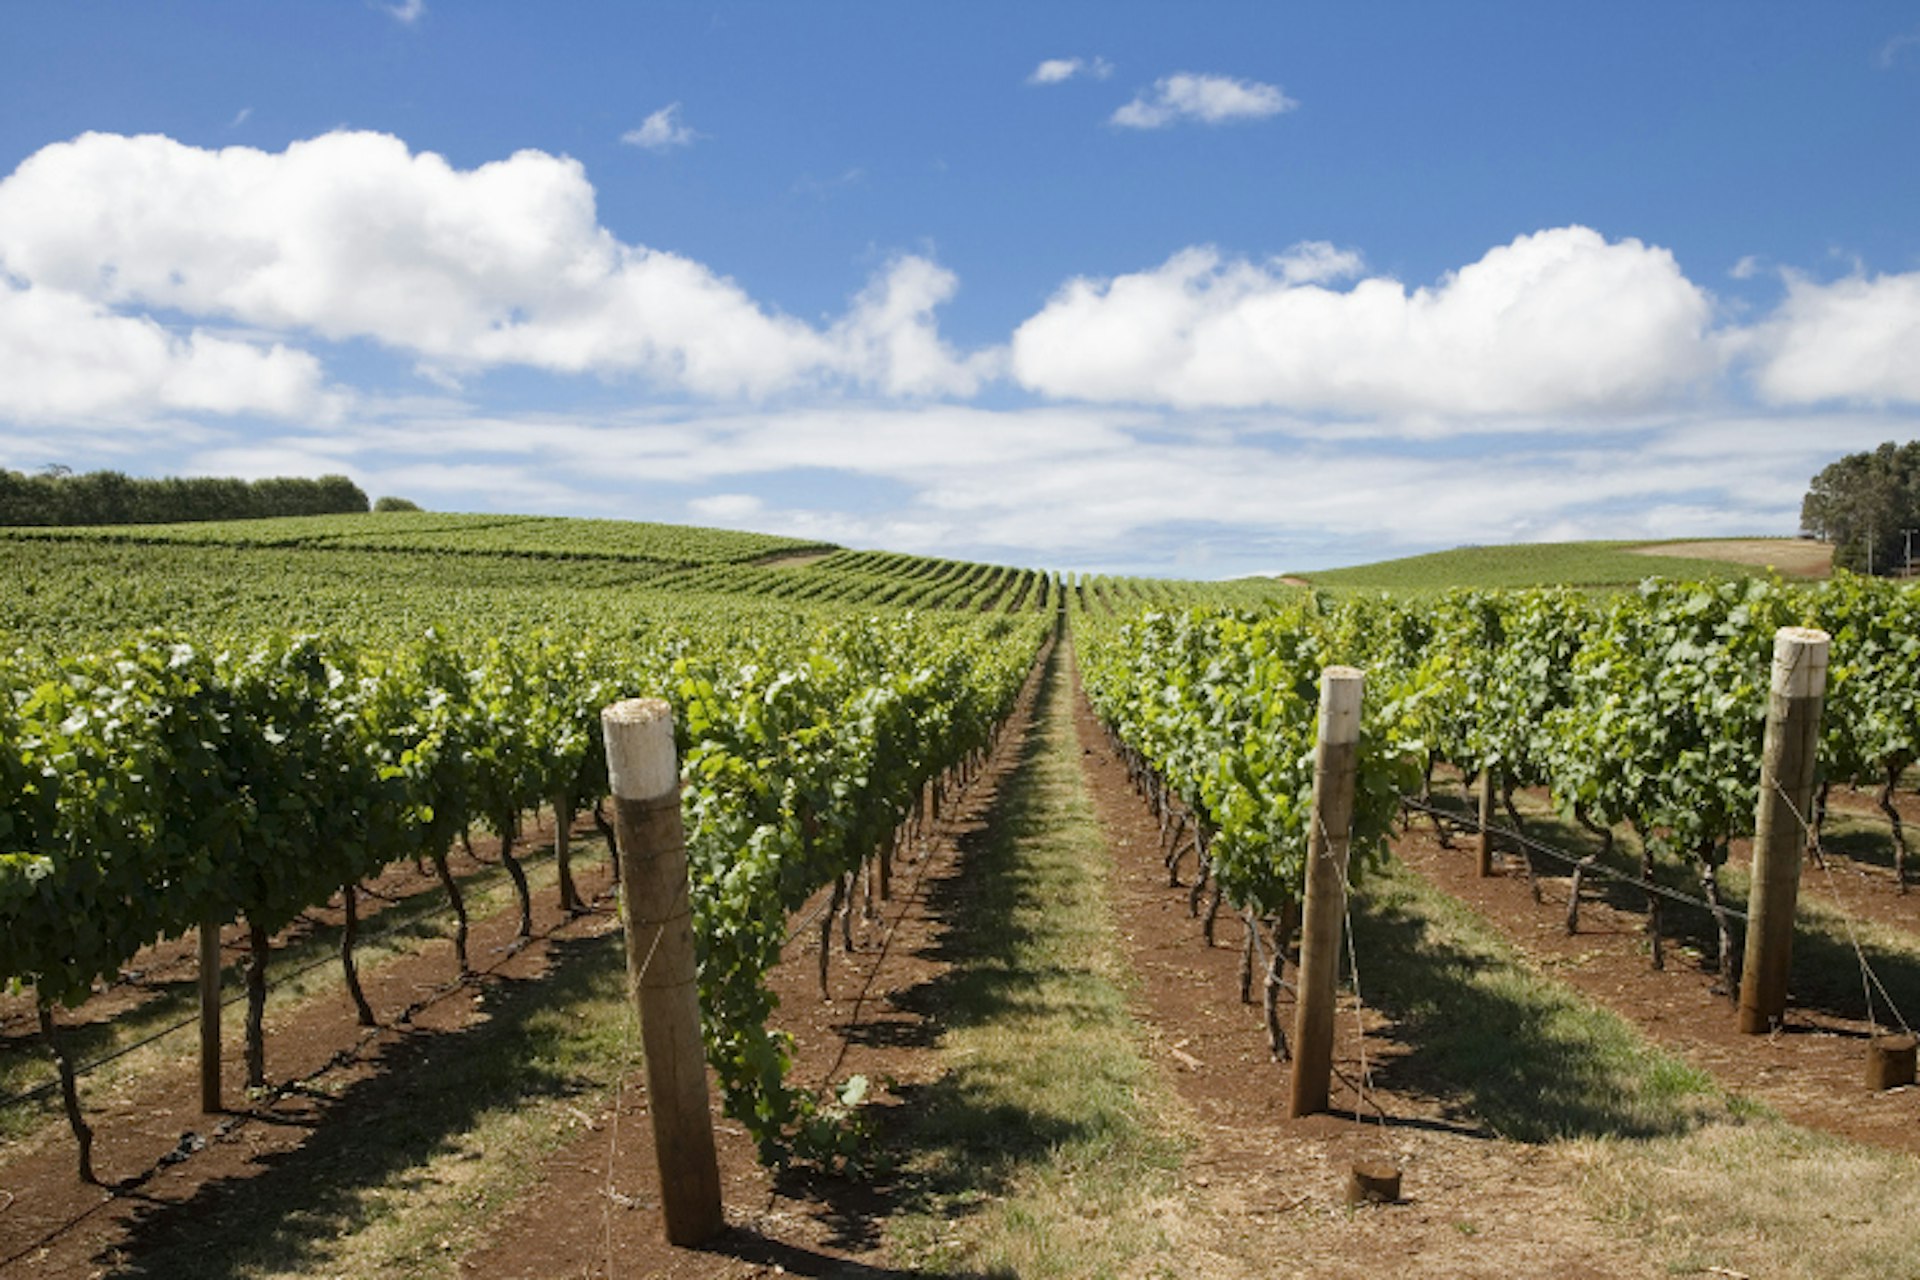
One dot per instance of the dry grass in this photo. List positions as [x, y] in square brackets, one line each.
[1762, 1198]
[1794, 557]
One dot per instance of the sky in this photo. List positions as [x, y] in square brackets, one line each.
[1195, 290]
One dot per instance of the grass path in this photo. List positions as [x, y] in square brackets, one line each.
[1050, 1147]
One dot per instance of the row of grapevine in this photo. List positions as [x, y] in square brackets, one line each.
[1643, 709]
[162, 786]
[1217, 714]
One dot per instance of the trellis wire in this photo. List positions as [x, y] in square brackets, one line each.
[1573, 859]
[280, 980]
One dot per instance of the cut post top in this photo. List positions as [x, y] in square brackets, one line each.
[640, 758]
[1800, 662]
[1340, 693]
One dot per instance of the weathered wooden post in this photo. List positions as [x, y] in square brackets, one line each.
[1786, 802]
[1324, 915]
[645, 776]
[1485, 847]
[210, 1016]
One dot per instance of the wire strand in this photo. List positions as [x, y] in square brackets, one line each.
[280, 981]
[1590, 865]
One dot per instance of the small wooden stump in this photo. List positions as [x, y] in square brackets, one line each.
[1373, 1182]
[1890, 1062]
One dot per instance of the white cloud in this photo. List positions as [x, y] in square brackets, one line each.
[891, 330]
[1890, 51]
[1108, 486]
[63, 357]
[727, 508]
[1060, 70]
[351, 235]
[1746, 269]
[1855, 339]
[662, 131]
[1560, 321]
[407, 12]
[1205, 98]
[240, 117]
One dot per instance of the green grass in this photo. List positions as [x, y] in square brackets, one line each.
[1042, 1149]
[1532, 564]
[1508, 1047]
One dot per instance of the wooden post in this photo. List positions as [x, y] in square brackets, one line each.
[1786, 803]
[210, 1016]
[1336, 758]
[645, 778]
[1485, 846]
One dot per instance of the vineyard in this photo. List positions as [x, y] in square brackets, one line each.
[236, 730]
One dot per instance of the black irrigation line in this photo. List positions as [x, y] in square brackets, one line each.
[280, 981]
[1587, 864]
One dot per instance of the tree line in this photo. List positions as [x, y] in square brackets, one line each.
[1868, 506]
[59, 497]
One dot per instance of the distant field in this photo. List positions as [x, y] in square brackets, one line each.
[549, 537]
[1577, 564]
[1792, 557]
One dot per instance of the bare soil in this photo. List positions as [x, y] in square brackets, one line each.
[1793, 557]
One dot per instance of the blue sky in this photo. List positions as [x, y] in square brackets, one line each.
[1198, 289]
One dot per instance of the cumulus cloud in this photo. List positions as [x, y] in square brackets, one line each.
[64, 357]
[1203, 98]
[1855, 339]
[1060, 70]
[1561, 321]
[662, 131]
[352, 235]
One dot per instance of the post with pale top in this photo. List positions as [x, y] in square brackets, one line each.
[645, 776]
[1780, 833]
[1336, 758]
